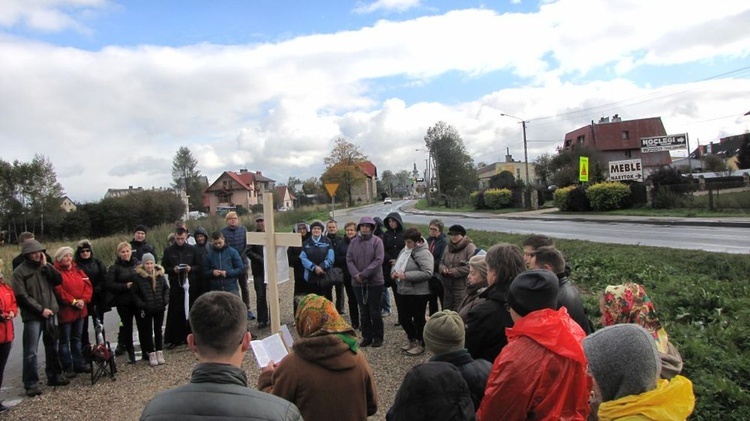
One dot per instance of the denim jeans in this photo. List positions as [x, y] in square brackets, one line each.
[69, 346]
[227, 285]
[32, 330]
[369, 312]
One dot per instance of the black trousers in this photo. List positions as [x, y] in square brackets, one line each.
[149, 331]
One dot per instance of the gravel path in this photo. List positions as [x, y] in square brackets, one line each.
[136, 384]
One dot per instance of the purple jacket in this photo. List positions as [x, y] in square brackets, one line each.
[365, 258]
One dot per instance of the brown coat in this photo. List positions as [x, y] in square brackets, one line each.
[456, 258]
[325, 379]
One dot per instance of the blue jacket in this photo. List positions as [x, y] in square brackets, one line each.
[236, 238]
[226, 259]
[316, 253]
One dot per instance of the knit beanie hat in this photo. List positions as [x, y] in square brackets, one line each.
[479, 264]
[31, 246]
[457, 229]
[318, 224]
[623, 360]
[444, 332]
[140, 227]
[533, 290]
[148, 257]
[62, 251]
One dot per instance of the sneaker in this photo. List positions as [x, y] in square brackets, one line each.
[152, 361]
[60, 381]
[3, 408]
[365, 343]
[250, 315]
[377, 343]
[33, 391]
[160, 357]
[417, 350]
[408, 345]
[71, 374]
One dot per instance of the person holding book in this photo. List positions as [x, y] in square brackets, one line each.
[218, 386]
[325, 364]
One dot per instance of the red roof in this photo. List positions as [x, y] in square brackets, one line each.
[616, 135]
[244, 179]
[369, 169]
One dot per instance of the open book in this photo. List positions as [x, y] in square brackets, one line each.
[274, 347]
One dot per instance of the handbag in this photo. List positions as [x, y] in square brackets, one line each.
[333, 276]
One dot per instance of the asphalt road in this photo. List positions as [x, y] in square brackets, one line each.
[713, 238]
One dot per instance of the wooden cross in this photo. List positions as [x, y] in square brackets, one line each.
[270, 239]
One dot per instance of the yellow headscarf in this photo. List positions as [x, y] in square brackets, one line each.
[317, 316]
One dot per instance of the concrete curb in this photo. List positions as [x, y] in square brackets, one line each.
[698, 222]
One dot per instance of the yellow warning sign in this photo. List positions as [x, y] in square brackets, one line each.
[331, 187]
[583, 169]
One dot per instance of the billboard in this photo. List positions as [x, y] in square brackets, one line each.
[664, 143]
[629, 169]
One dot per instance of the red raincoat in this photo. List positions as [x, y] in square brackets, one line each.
[75, 286]
[7, 304]
[541, 373]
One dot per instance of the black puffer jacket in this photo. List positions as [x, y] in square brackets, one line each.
[115, 284]
[485, 327]
[568, 297]
[151, 297]
[432, 391]
[97, 273]
[393, 243]
[475, 372]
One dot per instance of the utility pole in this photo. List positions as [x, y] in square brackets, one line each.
[527, 194]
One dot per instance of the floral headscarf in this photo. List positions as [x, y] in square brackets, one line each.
[317, 316]
[629, 303]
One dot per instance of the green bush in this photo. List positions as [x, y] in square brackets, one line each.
[608, 196]
[477, 199]
[498, 198]
[572, 199]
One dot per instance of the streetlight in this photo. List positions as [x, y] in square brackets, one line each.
[428, 175]
[527, 196]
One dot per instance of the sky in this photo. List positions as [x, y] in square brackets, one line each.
[109, 90]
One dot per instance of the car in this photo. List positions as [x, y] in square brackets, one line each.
[387, 201]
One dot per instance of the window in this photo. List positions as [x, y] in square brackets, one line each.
[625, 135]
[580, 139]
[628, 153]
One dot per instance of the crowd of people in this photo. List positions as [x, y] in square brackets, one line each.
[506, 328]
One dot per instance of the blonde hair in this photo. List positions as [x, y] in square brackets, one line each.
[122, 245]
[230, 215]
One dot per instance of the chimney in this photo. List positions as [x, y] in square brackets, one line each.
[243, 170]
[130, 187]
[603, 120]
[508, 156]
[616, 118]
[258, 172]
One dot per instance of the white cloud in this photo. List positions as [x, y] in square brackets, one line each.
[116, 117]
[387, 6]
[48, 15]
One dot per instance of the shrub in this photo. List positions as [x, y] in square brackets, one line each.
[477, 199]
[572, 199]
[498, 198]
[608, 196]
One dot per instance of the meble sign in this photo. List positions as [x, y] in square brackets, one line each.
[629, 169]
[664, 143]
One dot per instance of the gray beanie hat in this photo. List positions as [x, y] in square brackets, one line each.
[444, 332]
[533, 290]
[623, 360]
[148, 257]
[61, 252]
[31, 246]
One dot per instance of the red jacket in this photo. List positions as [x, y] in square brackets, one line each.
[75, 286]
[541, 373]
[7, 304]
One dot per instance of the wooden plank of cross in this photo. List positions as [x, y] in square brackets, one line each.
[270, 239]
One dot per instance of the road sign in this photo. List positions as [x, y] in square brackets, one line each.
[331, 187]
[664, 143]
[629, 169]
[583, 169]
